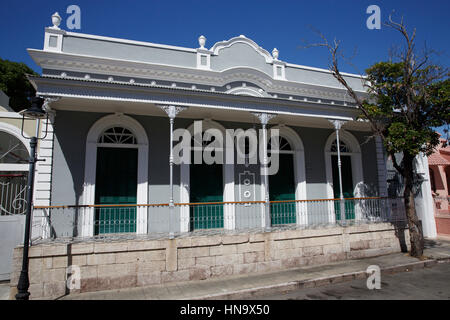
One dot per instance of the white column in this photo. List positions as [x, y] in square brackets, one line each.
[264, 119]
[43, 174]
[337, 126]
[172, 112]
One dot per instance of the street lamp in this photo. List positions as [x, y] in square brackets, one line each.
[34, 112]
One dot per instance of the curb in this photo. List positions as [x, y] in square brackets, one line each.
[316, 282]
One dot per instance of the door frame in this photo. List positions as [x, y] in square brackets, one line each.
[227, 177]
[88, 196]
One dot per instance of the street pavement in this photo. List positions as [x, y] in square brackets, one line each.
[430, 283]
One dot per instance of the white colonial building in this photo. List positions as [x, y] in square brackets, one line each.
[115, 104]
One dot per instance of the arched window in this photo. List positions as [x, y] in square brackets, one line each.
[12, 150]
[280, 144]
[117, 135]
[14, 157]
[342, 147]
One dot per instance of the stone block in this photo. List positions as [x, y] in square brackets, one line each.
[284, 244]
[53, 275]
[112, 247]
[79, 260]
[171, 276]
[219, 271]
[245, 268]
[82, 248]
[33, 251]
[36, 290]
[184, 242]
[250, 247]
[171, 255]
[60, 262]
[88, 272]
[206, 241]
[126, 257]
[205, 261]
[234, 239]
[360, 245]
[332, 248]
[199, 273]
[292, 262]
[256, 237]
[250, 257]
[54, 250]
[141, 245]
[127, 281]
[289, 253]
[47, 262]
[268, 266]
[88, 284]
[115, 270]
[54, 289]
[151, 266]
[153, 255]
[101, 258]
[236, 258]
[312, 251]
[147, 279]
[223, 250]
[186, 263]
[193, 252]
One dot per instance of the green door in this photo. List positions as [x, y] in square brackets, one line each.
[282, 187]
[116, 183]
[347, 186]
[206, 185]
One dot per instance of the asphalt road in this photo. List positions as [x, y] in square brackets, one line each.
[427, 283]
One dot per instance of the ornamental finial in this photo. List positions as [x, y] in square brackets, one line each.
[56, 20]
[275, 53]
[202, 41]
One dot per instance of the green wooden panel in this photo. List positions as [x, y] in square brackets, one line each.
[282, 187]
[206, 185]
[347, 186]
[116, 183]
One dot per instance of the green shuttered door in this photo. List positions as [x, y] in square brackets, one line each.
[206, 185]
[116, 183]
[347, 186]
[282, 187]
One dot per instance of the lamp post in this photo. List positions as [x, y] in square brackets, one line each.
[35, 112]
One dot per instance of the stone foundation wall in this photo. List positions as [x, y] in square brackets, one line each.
[133, 263]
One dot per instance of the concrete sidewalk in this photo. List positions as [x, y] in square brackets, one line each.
[247, 286]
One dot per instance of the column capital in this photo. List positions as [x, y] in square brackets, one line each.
[337, 123]
[264, 117]
[171, 110]
[46, 106]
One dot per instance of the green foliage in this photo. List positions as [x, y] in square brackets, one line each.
[13, 83]
[407, 103]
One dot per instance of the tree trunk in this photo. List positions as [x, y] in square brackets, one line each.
[415, 227]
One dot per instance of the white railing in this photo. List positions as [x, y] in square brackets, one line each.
[122, 220]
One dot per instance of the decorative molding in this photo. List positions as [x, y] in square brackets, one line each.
[337, 123]
[83, 64]
[264, 117]
[241, 39]
[171, 110]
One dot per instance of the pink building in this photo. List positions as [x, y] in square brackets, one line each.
[439, 165]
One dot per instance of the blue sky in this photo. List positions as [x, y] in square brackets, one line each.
[282, 24]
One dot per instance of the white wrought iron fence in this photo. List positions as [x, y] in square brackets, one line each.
[13, 191]
[160, 219]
